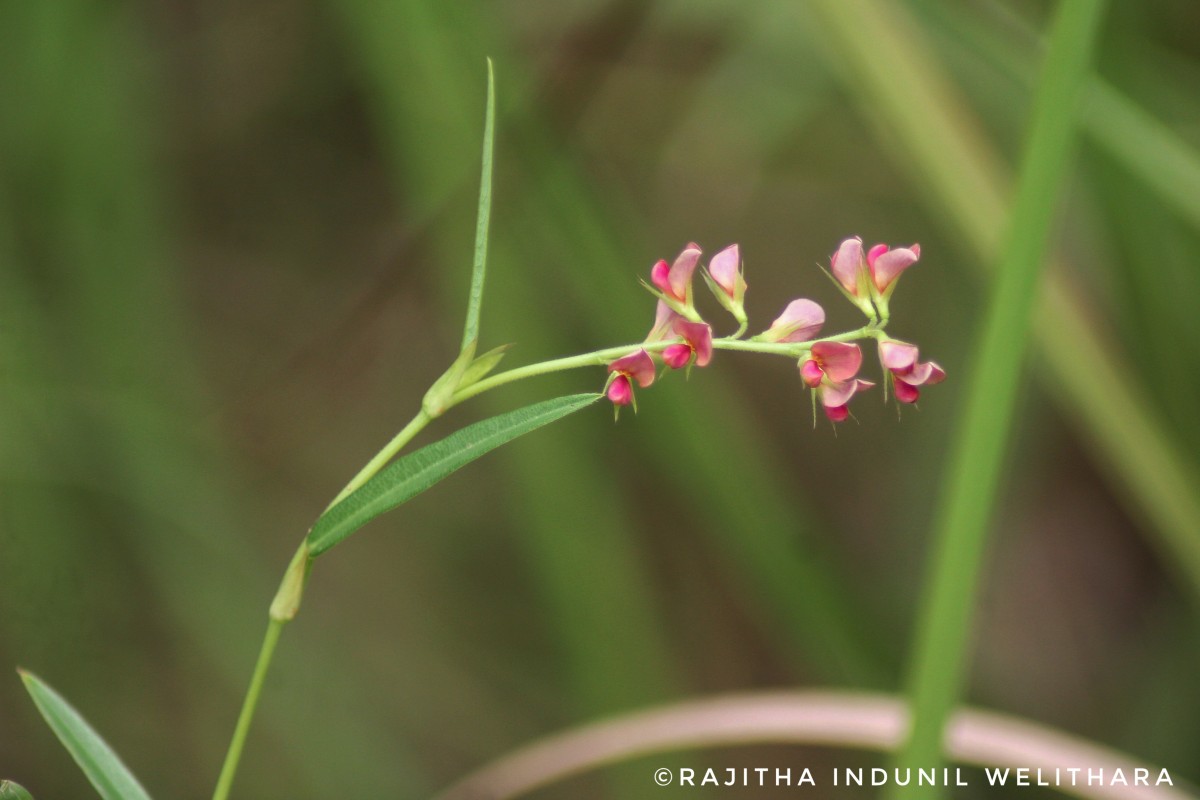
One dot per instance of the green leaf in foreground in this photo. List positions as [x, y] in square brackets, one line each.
[415, 472]
[471, 330]
[11, 791]
[99, 763]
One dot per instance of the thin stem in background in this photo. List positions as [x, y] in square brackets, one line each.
[974, 469]
[826, 719]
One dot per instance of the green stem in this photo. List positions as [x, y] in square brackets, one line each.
[229, 768]
[380, 459]
[600, 357]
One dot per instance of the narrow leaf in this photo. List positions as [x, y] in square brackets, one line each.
[412, 474]
[99, 763]
[471, 331]
[12, 791]
[482, 366]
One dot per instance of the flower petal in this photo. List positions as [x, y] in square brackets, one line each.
[897, 356]
[889, 265]
[905, 392]
[811, 373]
[839, 360]
[659, 276]
[799, 322]
[676, 356]
[846, 263]
[698, 336]
[680, 275]
[638, 366]
[724, 268]
[839, 394]
[664, 319]
[620, 392]
[874, 253]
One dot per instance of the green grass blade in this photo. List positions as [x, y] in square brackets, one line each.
[911, 100]
[415, 472]
[1146, 147]
[103, 768]
[479, 267]
[975, 467]
[12, 791]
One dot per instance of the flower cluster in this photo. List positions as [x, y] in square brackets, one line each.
[829, 366]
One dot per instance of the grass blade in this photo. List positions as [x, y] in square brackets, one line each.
[12, 791]
[479, 267]
[911, 100]
[103, 768]
[974, 470]
[415, 472]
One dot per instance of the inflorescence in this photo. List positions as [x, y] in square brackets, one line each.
[680, 338]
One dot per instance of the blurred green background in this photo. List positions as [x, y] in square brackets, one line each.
[235, 241]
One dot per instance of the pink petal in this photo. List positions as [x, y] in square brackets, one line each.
[620, 392]
[724, 268]
[889, 265]
[659, 276]
[837, 413]
[923, 373]
[799, 322]
[680, 276]
[839, 394]
[839, 360]
[664, 319]
[874, 253]
[698, 336]
[897, 356]
[811, 373]
[905, 392]
[638, 366]
[677, 355]
[846, 262]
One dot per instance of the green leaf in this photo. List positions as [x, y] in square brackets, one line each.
[11, 791]
[99, 763]
[471, 331]
[415, 472]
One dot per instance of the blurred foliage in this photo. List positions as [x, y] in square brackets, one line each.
[235, 241]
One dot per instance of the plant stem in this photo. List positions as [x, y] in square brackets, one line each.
[380, 459]
[599, 357]
[229, 768]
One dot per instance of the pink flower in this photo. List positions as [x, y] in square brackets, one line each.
[697, 344]
[886, 265]
[799, 322]
[905, 371]
[830, 370]
[637, 366]
[725, 270]
[675, 281]
[872, 278]
[725, 281]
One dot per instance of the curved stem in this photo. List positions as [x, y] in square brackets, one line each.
[838, 719]
[234, 755]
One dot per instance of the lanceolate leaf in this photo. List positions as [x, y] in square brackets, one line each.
[99, 763]
[412, 474]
